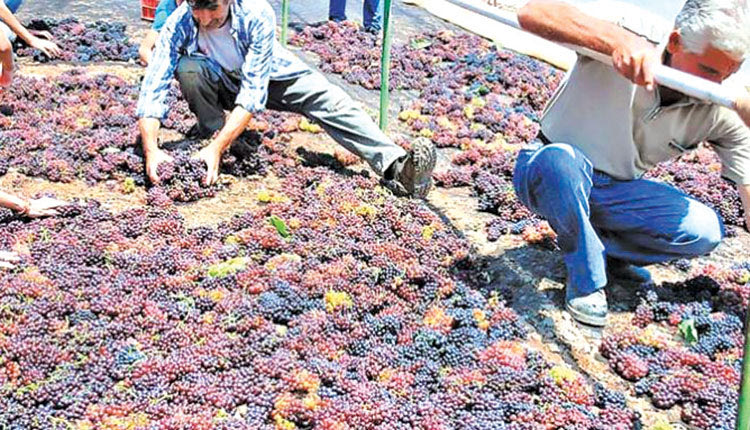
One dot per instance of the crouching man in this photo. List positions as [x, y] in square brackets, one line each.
[605, 127]
[225, 56]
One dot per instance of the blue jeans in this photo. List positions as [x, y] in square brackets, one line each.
[13, 5]
[596, 216]
[371, 12]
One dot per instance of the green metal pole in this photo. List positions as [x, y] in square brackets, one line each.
[284, 20]
[385, 66]
[743, 409]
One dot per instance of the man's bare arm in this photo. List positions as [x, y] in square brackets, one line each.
[211, 154]
[633, 56]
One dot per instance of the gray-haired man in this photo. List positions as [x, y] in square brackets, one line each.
[605, 127]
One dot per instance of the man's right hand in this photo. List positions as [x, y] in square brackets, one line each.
[153, 159]
[44, 207]
[637, 59]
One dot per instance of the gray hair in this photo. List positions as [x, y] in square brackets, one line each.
[722, 24]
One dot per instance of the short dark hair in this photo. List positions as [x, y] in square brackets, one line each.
[205, 4]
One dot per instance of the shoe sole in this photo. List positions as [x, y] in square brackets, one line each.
[586, 319]
[424, 155]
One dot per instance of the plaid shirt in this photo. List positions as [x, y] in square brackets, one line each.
[253, 25]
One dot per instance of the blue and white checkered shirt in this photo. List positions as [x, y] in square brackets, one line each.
[253, 25]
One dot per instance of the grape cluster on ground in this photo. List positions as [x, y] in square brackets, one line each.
[686, 348]
[82, 42]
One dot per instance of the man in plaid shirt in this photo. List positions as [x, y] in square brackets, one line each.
[225, 56]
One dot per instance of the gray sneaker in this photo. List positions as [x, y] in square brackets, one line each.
[590, 309]
[624, 271]
[414, 172]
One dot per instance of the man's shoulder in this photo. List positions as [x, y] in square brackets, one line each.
[638, 20]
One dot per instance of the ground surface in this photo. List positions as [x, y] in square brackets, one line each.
[533, 277]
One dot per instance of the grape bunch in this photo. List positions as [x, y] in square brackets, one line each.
[700, 372]
[82, 42]
[347, 50]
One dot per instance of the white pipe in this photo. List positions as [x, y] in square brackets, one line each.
[685, 83]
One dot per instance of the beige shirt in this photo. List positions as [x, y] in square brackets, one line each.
[623, 129]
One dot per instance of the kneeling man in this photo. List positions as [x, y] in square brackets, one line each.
[225, 56]
[605, 127]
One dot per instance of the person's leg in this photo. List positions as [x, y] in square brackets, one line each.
[337, 10]
[372, 15]
[313, 96]
[204, 91]
[555, 181]
[646, 222]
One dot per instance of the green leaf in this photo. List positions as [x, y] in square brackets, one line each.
[420, 43]
[688, 331]
[280, 226]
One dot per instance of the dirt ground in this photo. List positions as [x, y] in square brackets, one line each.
[531, 277]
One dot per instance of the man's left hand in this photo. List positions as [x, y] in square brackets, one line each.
[211, 155]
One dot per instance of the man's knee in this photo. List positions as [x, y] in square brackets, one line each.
[559, 162]
[325, 97]
[702, 229]
[191, 72]
[188, 64]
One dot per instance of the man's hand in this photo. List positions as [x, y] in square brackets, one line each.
[153, 159]
[8, 259]
[46, 206]
[211, 155]
[44, 34]
[49, 48]
[636, 59]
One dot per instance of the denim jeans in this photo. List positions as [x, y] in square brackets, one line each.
[13, 5]
[596, 216]
[209, 94]
[372, 12]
